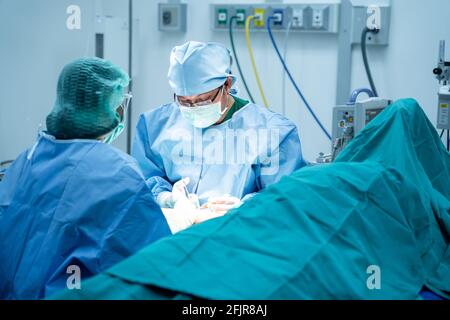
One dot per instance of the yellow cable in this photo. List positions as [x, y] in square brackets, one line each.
[250, 51]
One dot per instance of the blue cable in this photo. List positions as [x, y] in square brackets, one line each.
[292, 79]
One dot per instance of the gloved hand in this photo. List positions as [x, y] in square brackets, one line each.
[179, 192]
[221, 205]
[186, 211]
[185, 214]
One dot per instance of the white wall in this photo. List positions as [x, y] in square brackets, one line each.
[34, 46]
[403, 69]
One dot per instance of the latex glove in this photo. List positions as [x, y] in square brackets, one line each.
[187, 213]
[179, 189]
[184, 215]
[179, 192]
[187, 203]
[221, 205]
[165, 200]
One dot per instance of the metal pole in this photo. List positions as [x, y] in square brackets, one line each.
[344, 71]
[130, 71]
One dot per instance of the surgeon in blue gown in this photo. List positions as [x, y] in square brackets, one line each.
[217, 145]
[73, 205]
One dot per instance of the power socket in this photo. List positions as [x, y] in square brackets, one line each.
[317, 18]
[364, 17]
[222, 16]
[297, 18]
[240, 14]
[259, 17]
[172, 17]
[278, 15]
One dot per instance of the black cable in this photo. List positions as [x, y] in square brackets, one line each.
[364, 55]
[237, 60]
[442, 133]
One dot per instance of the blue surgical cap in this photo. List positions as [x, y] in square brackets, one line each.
[197, 68]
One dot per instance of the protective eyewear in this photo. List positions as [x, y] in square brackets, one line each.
[123, 107]
[201, 103]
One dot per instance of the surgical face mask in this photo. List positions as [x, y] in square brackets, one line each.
[205, 115]
[113, 135]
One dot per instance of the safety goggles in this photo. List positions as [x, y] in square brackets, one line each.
[123, 107]
[201, 103]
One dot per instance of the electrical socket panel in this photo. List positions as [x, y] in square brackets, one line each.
[360, 17]
[172, 17]
[241, 15]
[278, 17]
[298, 18]
[222, 16]
[320, 18]
[259, 20]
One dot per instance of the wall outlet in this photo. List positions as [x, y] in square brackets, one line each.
[278, 17]
[368, 16]
[297, 18]
[172, 16]
[259, 18]
[317, 18]
[240, 14]
[222, 16]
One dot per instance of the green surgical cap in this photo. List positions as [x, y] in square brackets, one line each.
[88, 94]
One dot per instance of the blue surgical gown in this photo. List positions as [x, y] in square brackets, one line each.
[74, 202]
[239, 157]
